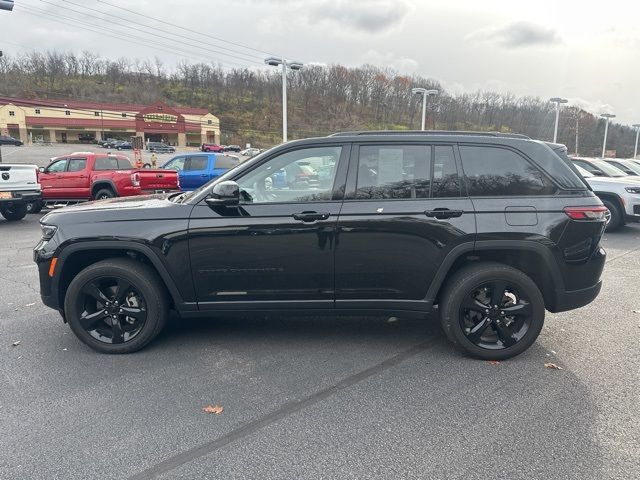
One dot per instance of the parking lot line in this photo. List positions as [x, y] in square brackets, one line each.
[284, 411]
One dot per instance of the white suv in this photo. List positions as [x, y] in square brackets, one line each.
[621, 195]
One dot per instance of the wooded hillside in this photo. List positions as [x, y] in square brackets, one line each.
[322, 99]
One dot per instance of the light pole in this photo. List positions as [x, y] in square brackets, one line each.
[635, 150]
[425, 93]
[276, 62]
[557, 101]
[606, 116]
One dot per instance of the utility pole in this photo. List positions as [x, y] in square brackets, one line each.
[557, 101]
[425, 93]
[577, 127]
[276, 62]
[635, 150]
[606, 116]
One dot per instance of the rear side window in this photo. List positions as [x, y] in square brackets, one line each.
[393, 171]
[197, 163]
[493, 171]
[106, 163]
[446, 182]
[124, 164]
[77, 164]
[225, 161]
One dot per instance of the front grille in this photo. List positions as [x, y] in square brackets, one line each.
[636, 209]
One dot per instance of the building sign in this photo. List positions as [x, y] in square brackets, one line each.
[160, 117]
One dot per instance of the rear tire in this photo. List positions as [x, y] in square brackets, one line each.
[463, 312]
[104, 193]
[14, 212]
[617, 219]
[133, 283]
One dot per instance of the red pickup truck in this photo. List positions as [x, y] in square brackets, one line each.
[93, 176]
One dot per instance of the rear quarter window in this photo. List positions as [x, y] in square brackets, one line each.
[224, 161]
[495, 171]
[106, 163]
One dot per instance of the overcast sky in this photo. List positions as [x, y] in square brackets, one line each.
[586, 51]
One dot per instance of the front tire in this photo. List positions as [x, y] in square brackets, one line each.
[492, 311]
[617, 219]
[14, 212]
[35, 206]
[116, 306]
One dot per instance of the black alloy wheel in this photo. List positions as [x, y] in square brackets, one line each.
[491, 311]
[116, 305]
[113, 310]
[495, 315]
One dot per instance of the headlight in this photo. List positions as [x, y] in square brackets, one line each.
[632, 189]
[48, 231]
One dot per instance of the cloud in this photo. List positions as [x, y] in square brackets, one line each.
[517, 35]
[373, 16]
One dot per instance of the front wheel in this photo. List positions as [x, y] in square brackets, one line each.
[116, 306]
[14, 211]
[35, 206]
[617, 220]
[492, 311]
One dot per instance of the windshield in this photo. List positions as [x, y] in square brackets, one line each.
[609, 169]
[634, 167]
[583, 172]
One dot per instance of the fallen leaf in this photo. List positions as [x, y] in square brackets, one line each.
[493, 362]
[16, 343]
[636, 311]
[216, 410]
[552, 366]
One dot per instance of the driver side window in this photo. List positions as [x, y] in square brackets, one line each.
[176, 164]
[59, 166]
[305, 175]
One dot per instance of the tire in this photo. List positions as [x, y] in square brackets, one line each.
[18, 144]
[103, 194]
[142, 280]
[617, 219]
[35, 206]
[460, 290]
[146, 165]
[14, 212]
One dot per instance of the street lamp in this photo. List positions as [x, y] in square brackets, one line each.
[635, 150]
[425, 93]
[557, 101]
[607, 116]
[276, 62]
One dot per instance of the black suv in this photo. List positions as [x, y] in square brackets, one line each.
[492, 228]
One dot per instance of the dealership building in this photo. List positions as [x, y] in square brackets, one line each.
[70, 121]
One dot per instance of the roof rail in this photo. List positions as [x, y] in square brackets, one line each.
[430, 132]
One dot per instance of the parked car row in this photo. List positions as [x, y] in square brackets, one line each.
[617, 183]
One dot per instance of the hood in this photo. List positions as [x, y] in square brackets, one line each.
[628, 181]
[114, 209]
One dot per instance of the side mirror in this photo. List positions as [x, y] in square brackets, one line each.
[224, 194]
[42, 169]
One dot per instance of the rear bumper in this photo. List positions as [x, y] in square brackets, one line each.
[570, 300]
[23, 196]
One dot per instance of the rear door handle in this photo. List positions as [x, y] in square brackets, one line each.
[204, 175]
[310, 216]
[442, 213]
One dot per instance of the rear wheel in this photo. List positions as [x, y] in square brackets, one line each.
[492, 311]
[104, 193]
[617, 219]
[13, 211]
[116, 306]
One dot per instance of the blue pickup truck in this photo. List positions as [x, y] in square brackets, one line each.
[194, 170]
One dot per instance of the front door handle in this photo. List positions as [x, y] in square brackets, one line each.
[310, 216]
[442, 213]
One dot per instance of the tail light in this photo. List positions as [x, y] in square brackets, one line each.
[135, 179]
[586, 213]
[178, 180]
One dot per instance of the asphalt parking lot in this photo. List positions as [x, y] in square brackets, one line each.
[319, 397]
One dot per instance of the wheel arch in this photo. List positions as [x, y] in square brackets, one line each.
[75, 258]
[612, 196]
[531, 258]
[100, 184]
